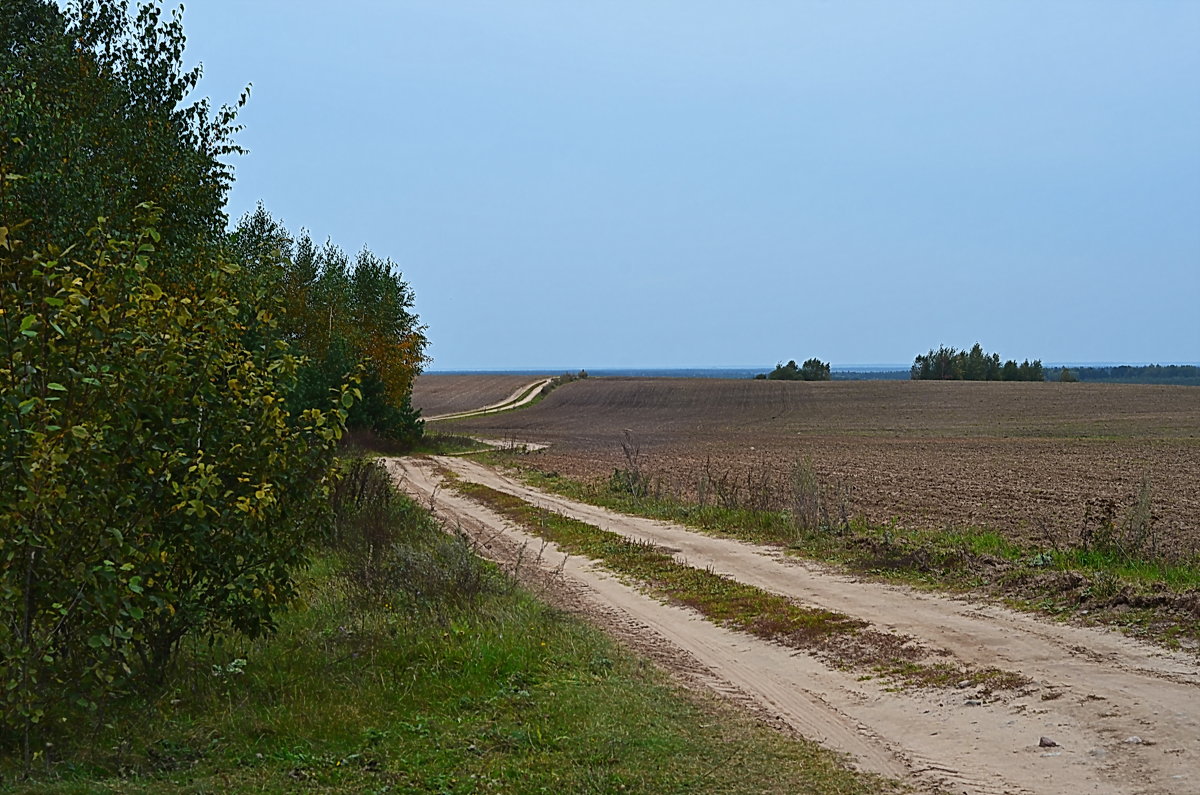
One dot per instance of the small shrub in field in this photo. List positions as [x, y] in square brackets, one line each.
[806, 497]
[1134, 537]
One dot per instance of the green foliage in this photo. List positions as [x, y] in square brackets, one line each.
[155, 483]
[812, 370]
[500, 695]
[166, 449]
[951, 364]
[94, 124]
[346, 318]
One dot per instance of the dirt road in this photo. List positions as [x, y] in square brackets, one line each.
[1125, 717]
[523, 396]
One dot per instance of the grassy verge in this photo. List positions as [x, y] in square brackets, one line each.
[421, 669]
[839, 639]
[447, 444]
[1155, 598]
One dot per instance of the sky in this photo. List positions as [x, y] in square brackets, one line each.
[661, 183]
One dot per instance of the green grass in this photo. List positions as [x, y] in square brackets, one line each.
[839, 639]
[447, 444]
[370, 693]
[1152, 597]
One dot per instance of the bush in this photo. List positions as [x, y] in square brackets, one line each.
[155, 485]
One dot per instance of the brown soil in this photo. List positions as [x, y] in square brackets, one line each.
[445, 394]
[1035, 461]
[1119, 716]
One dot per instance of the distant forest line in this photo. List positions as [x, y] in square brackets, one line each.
[1176, 374]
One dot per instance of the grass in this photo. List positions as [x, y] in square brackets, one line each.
[1155, 597]
[839, 639]
[447, 444]
[367, 688]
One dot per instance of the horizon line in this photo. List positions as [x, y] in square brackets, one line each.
[883, 367]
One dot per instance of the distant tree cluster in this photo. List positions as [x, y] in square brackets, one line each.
[951, 364]
[811, 370]
[1179, 374]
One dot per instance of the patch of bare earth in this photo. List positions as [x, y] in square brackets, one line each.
[1117, 716]
[1035, 461]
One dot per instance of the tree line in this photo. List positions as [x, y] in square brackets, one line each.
[1179, 374]
[173, 390]
[951, 364]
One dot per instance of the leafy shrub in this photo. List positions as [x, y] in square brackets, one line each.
[155, 484]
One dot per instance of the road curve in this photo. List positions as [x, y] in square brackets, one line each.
[522, 397]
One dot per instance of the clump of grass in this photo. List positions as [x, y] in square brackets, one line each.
[843, 641]
[384, 559]
[437, 443]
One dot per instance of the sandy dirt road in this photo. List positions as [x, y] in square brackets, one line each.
[523, 396]
[1125, 716]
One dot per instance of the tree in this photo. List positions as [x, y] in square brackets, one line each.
[812, 370]
[157, 482]
[94, 122]
[346, 317]
[815, 370]
[976, 364]
[947, 363]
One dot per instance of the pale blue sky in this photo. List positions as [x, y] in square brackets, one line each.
[618, 184]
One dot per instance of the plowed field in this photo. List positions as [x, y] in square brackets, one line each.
[1036, 461]
[444, 394]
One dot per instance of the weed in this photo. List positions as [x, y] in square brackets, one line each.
[384, 563]
[807, 507]
[630, 480]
